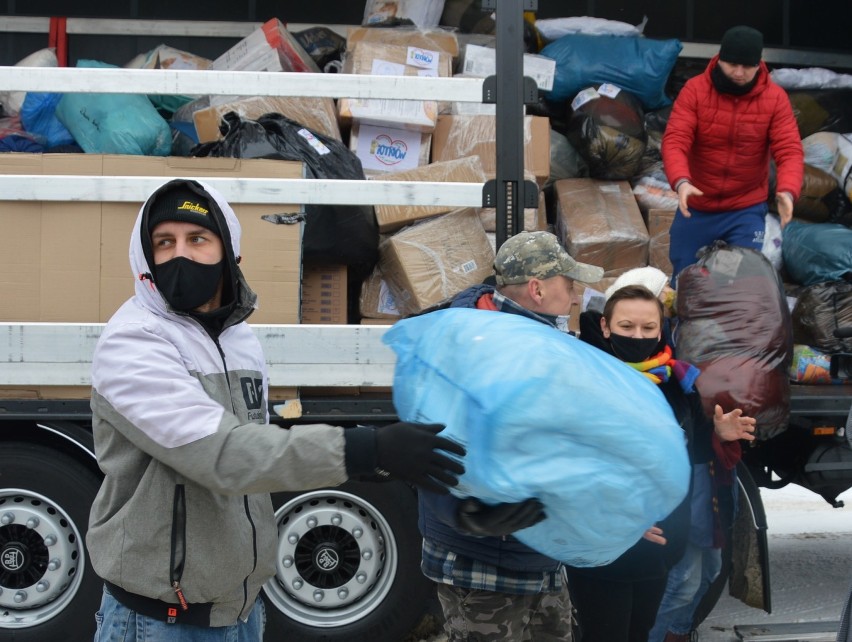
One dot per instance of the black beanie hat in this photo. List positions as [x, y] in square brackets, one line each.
[181, 203]
[742, 46]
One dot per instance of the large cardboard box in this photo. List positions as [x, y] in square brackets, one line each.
[481, 62]
[431, 39]
[376, 300]
[317, 114]
[432, 261]
[68, 261]
[377, 59]
[457, 136]
[463, 170]
[600, 223]
[324, 294]
[659, 223]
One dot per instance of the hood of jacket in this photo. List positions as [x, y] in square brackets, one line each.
[141, 253]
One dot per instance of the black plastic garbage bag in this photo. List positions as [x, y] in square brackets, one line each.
[334, 234]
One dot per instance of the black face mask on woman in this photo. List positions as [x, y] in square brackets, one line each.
[632, 350]
[187, 284]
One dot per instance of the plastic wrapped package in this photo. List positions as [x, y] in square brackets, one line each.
[423, 13]
[322, 44]
[334, 234]
[772, 238]
[165, 57]
[463, 170]
[821, 200]
[432, 261]
[317, 114]
[810, 366]
[565, 161]
[380, 59]
[12, 101]
[13, 138]
[820, 150]
[38, 116]
[734, 324]
[484, 375]
[460, 136]
[638, 65]
[606, 126]
[600, 223]
[817, 252]
[810, 78]
[659, 224]
[114, 123]
[820, 309]
[818, 110]
[432, 39]
[376, 300]
[553, 28]
[653, 192]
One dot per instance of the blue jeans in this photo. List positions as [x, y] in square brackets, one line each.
[743, 228]
[117, 623]
[688, 581]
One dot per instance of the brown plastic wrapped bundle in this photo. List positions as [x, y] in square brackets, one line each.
[606, 126]
[734, 324]
[600, 223]
[819, 310]
[432, 261]
[821, 200]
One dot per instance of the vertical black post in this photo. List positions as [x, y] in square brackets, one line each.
[510, 91]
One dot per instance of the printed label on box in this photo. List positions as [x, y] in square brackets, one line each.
[609, 90]
[381, 148]
[423, 58]
[386, 304]
[314, 142]
[587, 95]
[387, 68]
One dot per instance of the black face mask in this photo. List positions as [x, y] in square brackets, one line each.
[187, 284]
[632, 350]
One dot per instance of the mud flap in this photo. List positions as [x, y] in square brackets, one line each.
[749, 578]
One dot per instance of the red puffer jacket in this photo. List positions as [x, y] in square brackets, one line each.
[721, 143]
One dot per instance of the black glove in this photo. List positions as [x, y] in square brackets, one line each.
[477, 518]
[410, 452]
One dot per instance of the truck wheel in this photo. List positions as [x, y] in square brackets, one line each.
[48, 590]
[348, 565]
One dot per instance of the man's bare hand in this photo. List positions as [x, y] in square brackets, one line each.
[784, 204]
[684, 191]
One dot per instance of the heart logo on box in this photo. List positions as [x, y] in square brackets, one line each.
[387, 150]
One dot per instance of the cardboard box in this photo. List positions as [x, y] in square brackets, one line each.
[376, 300]
[481, 62]
[317, 114]
[68, 262]
[464, 170]
[268, 48]
[324, 294]
[659, 223]
[384, 151]
[600, 223]
[432, 261]
[459, 136]
[433, 39]
[376, 59]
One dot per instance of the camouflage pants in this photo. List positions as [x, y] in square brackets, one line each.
[485, 616]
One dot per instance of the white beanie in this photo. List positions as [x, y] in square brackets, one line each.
[652, 278]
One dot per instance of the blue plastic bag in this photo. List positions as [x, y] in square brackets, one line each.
[545, 415]
[114, 123]
[38, 116]
[817, 252]
[639, 65]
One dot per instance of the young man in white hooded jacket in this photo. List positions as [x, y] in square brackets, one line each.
[182, 530]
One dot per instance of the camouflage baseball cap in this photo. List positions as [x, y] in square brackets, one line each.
[539, 255]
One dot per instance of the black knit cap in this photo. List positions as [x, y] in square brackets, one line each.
[742, 45]
[182, 204]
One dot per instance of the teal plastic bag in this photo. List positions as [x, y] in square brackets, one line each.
[114, 123]
[817, 252]
[545, 415]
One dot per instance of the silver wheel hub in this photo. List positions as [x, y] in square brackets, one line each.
[41, 559]
[336, 559]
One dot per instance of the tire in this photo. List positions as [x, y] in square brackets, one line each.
[49, 590]
[348, 565]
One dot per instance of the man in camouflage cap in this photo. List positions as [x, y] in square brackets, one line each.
[490, 585]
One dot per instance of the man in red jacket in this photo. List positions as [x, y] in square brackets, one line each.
[724, 125]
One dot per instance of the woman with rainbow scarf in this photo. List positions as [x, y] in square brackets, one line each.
[618, 602]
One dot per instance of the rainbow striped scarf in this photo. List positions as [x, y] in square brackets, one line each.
[662, 366]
